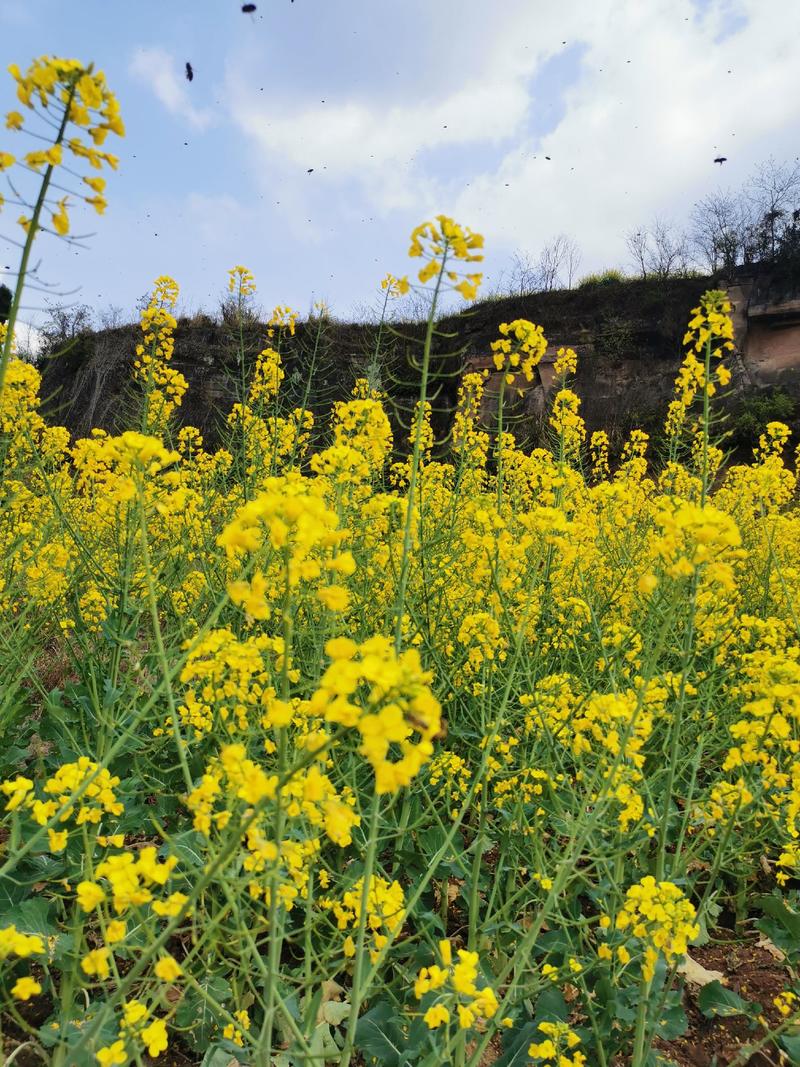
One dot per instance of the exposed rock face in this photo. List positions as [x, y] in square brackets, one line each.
[767, 327]
[628, 356]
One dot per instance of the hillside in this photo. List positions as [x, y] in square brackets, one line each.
[628, 335]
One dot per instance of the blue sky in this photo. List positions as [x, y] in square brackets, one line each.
[403, 110]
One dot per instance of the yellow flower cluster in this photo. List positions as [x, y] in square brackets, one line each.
[135, 1035]
[458, 995]
[395, 287]
[440, 241]
[83, 98]
[241, 281]
[520, 346]
[164, 387]
[385, 910]
[14, 943]
[659, 916]
[613, 643]
[559, 1046]
[387, 697]
[81, 789]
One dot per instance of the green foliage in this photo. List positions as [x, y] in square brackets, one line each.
[755, 410]
[611, 276]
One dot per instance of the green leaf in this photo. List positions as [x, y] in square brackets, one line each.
[31, 917]
[379, 1037]
[715, 1001]
[218, 1057]
[189, 848]
[781, 924]
[72, 1033]
[672, 1023]
[515, 1045]
[778, 909]
[791, 1046]
[551, 1006]
[11, 894]
[197, 1015]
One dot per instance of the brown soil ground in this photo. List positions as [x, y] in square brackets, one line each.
[756, 975]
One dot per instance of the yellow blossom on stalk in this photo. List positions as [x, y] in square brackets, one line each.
[89, 895]
[134, 1013]
[441, 241]
[282, 318]
[711, 322]
[163, 386]
[659, 916]
[241, 281]
[385, 905]
[97, 797]
[598, 448]
[693, 537]
[13, 942]
[115, 931]
[334, 597]
[95, 963]
[57, 840]
[267, 376]
[154, 1037]
[397, 704]
[568, 424]
[559, 1046]
[520, 347]
[566, 363]
[65, 88]
[457, 990]
[436, 1016]
[395, 287]
[785, 1003]
[234, 1033]
[17, 790]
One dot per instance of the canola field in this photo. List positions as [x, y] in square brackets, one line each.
[336, 746]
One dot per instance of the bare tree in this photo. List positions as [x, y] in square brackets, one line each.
[65, 323]
[550, 262]
[773, 193]
[572, 260]
[556, 266]
[523, 275]
[658, 250]
[111, 317]
[636, 240]
[720, 223]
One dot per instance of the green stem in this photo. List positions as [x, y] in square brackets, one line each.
[640, 1031]
[359, 985]
[405, 562]
[28, 246]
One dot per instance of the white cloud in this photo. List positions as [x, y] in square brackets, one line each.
[157, 69]
[640, 137]
[29, 339]
[650, 106]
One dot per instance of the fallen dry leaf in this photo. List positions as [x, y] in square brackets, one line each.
[765, 943]
[698, 975]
